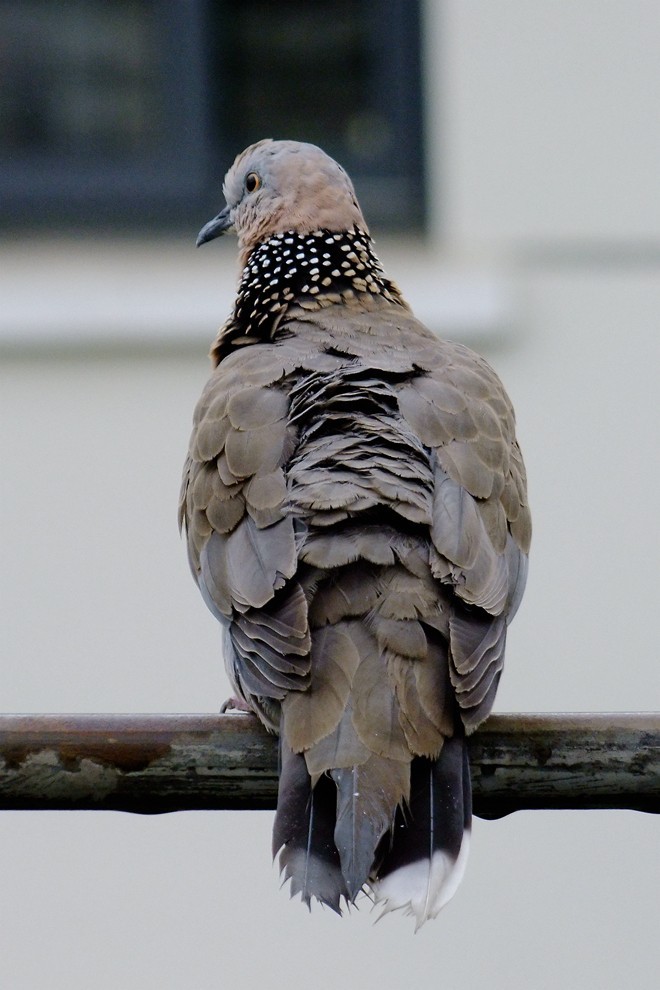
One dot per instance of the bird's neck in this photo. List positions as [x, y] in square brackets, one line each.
[314, 270]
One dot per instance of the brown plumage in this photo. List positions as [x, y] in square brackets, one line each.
[355, 507]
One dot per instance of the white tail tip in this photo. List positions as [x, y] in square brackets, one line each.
[423, 888]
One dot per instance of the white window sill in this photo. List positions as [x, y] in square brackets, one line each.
[82, 292]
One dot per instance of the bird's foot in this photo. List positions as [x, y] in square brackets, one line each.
[235, 704]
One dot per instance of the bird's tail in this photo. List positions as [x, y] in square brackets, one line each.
[425, 858]
[340, 835]
[328, 831]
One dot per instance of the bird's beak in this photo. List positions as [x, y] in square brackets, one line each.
[215, 228]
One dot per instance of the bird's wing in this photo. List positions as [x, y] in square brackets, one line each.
[241, 541]
[481, 526]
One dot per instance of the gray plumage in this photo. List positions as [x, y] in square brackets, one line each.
[355, 506]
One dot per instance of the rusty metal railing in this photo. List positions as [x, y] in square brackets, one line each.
[157, 763]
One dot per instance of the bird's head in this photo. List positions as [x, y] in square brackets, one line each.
[276, 186]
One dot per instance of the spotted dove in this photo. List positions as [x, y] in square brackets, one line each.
[355, 508]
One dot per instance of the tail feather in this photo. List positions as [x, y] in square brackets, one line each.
[303, 834]
[424, 863]
[367, 798]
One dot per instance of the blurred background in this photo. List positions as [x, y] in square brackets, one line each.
[506, 154]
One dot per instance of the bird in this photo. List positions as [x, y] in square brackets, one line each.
[354, 502]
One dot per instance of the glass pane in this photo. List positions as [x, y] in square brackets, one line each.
[128, 111]
[343, 74]
[78, 80]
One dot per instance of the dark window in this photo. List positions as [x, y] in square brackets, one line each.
[129, 112]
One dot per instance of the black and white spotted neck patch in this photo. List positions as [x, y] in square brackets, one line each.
[297, 268]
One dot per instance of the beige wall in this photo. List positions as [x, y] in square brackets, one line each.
[550, 118]
[545, 248]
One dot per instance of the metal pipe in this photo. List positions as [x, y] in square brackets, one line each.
[156, 763]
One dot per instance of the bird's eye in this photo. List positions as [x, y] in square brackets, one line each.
[252, 182]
